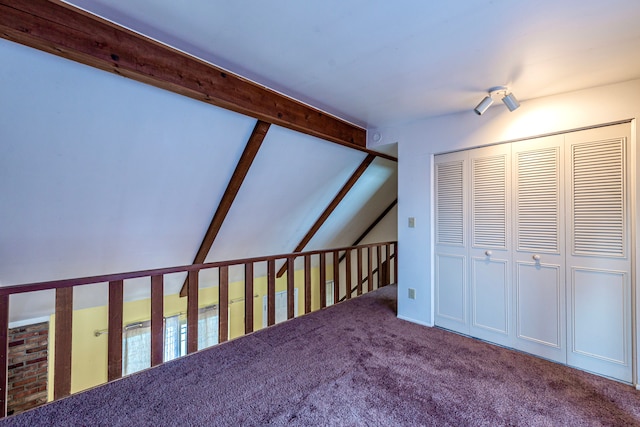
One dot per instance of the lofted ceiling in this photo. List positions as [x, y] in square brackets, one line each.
[378, 63]
[102, 174]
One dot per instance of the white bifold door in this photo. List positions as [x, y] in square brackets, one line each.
[451, 242]
[598, 259]
[489, 243]
[539, 284]
[532, 247]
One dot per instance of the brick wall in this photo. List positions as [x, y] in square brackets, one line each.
[28, 350]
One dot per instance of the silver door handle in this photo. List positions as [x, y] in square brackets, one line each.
[536, 257]
[488, 253]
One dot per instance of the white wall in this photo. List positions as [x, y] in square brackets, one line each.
[419, 141]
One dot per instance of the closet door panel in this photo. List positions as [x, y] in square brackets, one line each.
[539, 287]
[490, 297]
[539, 308]
[490, 173]
[598, 259]
[451, 242]
[598, 307]
[451, 296]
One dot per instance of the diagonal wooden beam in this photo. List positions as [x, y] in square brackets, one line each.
[334, 203]
[65, 30]
[239, 174]
[372, 226]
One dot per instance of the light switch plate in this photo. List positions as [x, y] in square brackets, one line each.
[412, 293]
[412, 222]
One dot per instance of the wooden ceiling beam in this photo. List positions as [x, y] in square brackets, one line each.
[239, 174]
[69, 32]
[334, 203]
[372, 225]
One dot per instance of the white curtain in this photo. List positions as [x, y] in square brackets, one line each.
[136, 345]
[172, 338]
[136, 348]
[207, 327]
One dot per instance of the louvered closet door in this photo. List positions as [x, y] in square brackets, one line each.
[538, 280]
[490, 265]
[598, 255]
[451, 280]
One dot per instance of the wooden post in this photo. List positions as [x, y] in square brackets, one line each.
[336, 277]
[323, 280]
[307, 284]
[359, 276]
[223, 317]
[192, 312]
[347, 269]
[114, 335]
[387, 261]
[64, 322]
[290, 288]
[4, 350]
[271, 292]
[248, 298]
[395, 262]
[379, 253]
[369, 269]
[157, 320]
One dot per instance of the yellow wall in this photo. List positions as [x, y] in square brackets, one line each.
[89, 353]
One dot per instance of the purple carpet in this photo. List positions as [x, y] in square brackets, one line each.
[352, 364]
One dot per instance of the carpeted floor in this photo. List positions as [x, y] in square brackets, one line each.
[349, 365]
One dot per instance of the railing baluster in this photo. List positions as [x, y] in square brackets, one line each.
[387, 270]
[223, 317]
[359, 273]
[114, 335]
[384, 273]
[379, 254]
[336, 277]
[248, 298]
[192, 311]
[395, 263]
[157, 315]
[369, 269]
[290, 288]
[323, 280]
[271, 292]
[4, 350]
[64, 323]
[307, 284]
[347, 275]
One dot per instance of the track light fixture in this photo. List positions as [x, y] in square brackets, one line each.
[508, 98]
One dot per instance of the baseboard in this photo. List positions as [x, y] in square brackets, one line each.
[638, 387]
[419, 322]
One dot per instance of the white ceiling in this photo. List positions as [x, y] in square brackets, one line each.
[378, 62]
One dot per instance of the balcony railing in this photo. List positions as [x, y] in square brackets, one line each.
[360, 269]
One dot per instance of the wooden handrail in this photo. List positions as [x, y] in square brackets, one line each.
[65, 283]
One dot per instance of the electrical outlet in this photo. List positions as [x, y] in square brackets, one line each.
[412, 222]
[412, 293]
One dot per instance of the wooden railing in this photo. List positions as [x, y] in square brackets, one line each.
[369, 274]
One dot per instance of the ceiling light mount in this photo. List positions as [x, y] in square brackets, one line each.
[507, 97]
